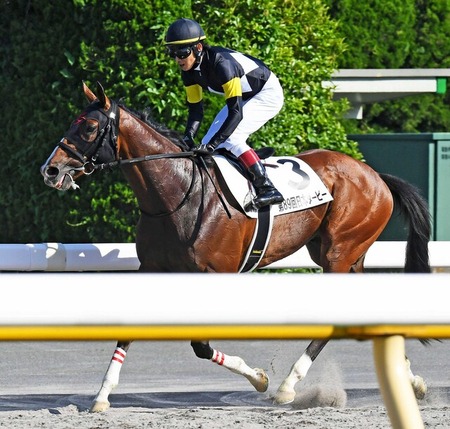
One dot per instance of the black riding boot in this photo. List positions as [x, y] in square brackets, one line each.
[266, 193]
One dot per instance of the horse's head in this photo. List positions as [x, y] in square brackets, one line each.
[91, 140]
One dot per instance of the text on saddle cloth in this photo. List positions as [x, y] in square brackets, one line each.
[299, 184]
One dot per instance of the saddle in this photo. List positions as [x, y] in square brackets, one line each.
[298, 183]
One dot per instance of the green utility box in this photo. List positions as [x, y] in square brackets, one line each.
[421, 159]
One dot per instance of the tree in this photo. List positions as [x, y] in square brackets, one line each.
[397, 34]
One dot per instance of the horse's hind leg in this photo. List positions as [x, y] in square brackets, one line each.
[111, 378]
[417, 382]
[257, 376]
[286, 392]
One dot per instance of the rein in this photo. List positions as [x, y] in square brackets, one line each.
[188, 154]
[188, 192]
[120, 162]
[110, 132]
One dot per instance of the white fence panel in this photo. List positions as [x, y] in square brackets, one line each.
[224, 299]
[122, 256]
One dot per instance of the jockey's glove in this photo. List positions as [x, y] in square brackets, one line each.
[189, 140]
[208, 147]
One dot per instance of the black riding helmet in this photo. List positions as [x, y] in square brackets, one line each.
[184, 32]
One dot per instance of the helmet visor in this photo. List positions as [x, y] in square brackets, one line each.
[181, 53]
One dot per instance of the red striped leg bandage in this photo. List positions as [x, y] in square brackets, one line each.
[119, 355]
[218, 357]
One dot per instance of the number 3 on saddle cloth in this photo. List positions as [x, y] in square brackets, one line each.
[300, 186]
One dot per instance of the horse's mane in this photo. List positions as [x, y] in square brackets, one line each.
[146, 116]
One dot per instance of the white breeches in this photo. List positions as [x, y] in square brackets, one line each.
[256, 112]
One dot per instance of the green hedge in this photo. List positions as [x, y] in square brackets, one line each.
[397, 34]
[48, 48]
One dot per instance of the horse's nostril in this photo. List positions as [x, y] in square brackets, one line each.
[51, 172]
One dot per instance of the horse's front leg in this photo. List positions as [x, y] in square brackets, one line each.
[257, 376]
[111, 378]
[286, 392]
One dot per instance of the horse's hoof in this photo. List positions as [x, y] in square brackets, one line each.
[99, 407]
[283, 397]
[419, 387]
[261, 381]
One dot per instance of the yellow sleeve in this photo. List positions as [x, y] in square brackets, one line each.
[232, 88]
[194, 93]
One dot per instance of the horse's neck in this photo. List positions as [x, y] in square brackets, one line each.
[158, 184]
[140, 139]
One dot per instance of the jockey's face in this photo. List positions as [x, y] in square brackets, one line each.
[188, 62]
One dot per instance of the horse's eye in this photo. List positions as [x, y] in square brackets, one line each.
[91, 127]
[89, 130]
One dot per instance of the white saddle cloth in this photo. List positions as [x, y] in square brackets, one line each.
[300, 186]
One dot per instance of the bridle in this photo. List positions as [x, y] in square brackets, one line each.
[109, 120]
[109, 130]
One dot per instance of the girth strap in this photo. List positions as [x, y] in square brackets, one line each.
[260, 240]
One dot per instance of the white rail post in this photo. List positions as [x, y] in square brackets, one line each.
[396, 389]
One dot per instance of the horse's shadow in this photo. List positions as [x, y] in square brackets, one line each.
[54, 402]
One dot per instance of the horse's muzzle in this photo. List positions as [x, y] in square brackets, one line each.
[61, 179]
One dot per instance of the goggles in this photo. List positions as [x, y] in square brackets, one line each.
[180, 53]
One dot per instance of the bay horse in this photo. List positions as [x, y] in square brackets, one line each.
[187, 225]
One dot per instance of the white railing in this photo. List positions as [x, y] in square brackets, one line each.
[122, 257]
[160, 300]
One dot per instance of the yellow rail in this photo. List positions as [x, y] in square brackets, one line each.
[216, 332]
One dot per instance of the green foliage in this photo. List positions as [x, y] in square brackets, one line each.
[378, 33]
[48, 48]
[107, 213]
[297, 41]
[397, 34]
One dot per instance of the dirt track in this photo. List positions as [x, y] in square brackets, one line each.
[51, 385]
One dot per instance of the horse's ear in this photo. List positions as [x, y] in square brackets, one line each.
[89, 94]
[104, 100]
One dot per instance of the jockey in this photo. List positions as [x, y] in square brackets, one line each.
[253, 96]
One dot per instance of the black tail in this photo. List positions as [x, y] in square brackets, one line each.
[414, 208]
